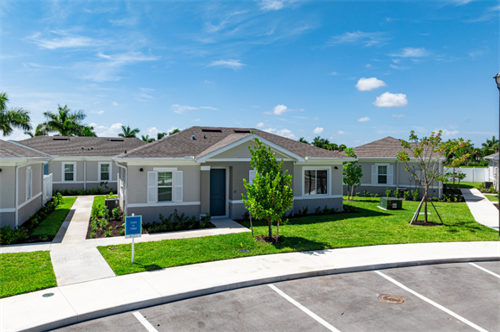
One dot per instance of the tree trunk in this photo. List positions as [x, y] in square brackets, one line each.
[277, 230]
[269, 223]
[251, 224]
[425, 209]
[352, 192]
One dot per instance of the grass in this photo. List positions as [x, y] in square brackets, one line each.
[48, 228]
[369, 226]
[25, 272]
[465, 185]
[492, 198]
[100, 200]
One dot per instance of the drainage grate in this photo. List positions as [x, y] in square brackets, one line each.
[391, 299]
[48, 295]
[244, 250]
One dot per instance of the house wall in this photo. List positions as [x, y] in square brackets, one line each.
[242, 151]
[7, 182]
[88, 167]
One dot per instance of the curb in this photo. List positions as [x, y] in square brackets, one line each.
[250, 283]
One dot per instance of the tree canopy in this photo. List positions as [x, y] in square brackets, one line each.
[128, 132]
[65, 122]
[13, 118]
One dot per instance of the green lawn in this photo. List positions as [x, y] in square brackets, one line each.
[48, 228]
[493, 198]
[25, 272]
[369, 226]
[100, 200]
[465, 185]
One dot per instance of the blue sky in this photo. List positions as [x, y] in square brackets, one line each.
[353, 71]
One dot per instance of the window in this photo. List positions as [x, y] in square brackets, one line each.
[29, 183]
[164, 186]
[382, 174]
[45, 169]
[104, 171]
[316, 182]
[69, 171]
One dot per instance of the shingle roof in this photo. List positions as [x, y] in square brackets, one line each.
[181, 144]
[92, 146]
[12, 150]
[491, 156]
[388, 147]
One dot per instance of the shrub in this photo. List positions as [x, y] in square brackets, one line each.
[122, 232]
[10, 236]
[414, 193]
[117, 213]
[317, 210]
[107, 233]
[92, 234]
[366, 193]
[388, 192]
[305, 211]
[481, 186]
[406, 195]
[397, 193]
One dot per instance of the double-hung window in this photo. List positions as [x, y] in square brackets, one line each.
[104, 171]
[164, 186]
[315, 182]
[69, 170]
[382, 174]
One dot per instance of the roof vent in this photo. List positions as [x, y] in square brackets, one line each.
[82, 147]
[242, 131]
[91, 148]
[192, 137]
[211, 130]
[59, 138]
[116, 140]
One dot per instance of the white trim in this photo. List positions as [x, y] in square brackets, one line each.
[63, 175]
[386, 174]
[62, 182]
[393, 185]
[235, 201]
[214, 160]
[299, 198]
[165, 169]
[31, 200]
[204, 168]
[328, 180]
[7, 210]
[109, 171]
[162, 204]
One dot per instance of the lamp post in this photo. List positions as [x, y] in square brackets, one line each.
[497, 80]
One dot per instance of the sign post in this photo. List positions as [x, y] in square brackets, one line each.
[133, 229]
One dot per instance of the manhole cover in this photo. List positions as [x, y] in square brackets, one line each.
[391, 299]
[244, 250]
[48, 295]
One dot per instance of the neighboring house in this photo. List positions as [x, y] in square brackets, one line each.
[493, 169]
[82, 162]
[21, 183]
[201, 170]
[381, 169]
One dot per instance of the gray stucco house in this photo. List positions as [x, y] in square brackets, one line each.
[82, 162]
[381, 169]
[201, 170]
[21, 183]
[493, 169]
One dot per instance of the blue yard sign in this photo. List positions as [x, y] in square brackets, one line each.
[133, 226]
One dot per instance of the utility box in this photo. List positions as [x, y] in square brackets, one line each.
[391, 203]
[111, 203]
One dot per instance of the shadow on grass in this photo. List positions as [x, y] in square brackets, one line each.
[300, 244]
[149, 267]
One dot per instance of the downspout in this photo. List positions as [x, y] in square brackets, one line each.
[17, 190]
[126, 187]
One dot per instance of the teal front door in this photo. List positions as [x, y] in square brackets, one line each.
[218, 192]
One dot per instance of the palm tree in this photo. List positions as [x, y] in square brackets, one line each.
[13, 118]
[159, 136]
[321, 142]
[65, 122]
[127, 132]
[491, 146]
[40, 130]
[89, 131]
[147, 139]
[175, 131]
[303, 140]
[342, 147]
[332, 147]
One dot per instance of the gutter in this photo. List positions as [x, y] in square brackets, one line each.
[126, 187]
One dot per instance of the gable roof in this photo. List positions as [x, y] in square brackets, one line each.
[208, 140]
[82, 146]
[492, 156]
[13, 150]
[387, 147]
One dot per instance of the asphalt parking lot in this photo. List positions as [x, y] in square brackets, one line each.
[444, 297]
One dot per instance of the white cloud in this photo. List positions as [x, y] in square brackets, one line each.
[260, 124]
[397, 116]
[97, 112]
[279, 109]
[388, 99]
[340, 132]
[16, 135]
[66, 41]
[447, 132]
[115, 103]
[125, 58]
[364, 119]
[410, 52]
[233, 64]
[358, 37]
[270, 130]
[172, 129]
[318, 130]
[367, 84]
[286, 133]
[333, 73]
[124, 22]
[104, 131]
[179, 109]
[271, 4]
[209, 108]
[152, 132]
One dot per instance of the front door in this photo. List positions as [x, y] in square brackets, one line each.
[218, 192]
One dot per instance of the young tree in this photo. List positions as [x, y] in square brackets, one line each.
[13, 118]
[270, 194]
[352, 173]
[427, 156]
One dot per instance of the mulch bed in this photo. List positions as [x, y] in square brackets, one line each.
[423, 223]
[267, 239]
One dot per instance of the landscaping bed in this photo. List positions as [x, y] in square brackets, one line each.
[368, 226]
[25, 272]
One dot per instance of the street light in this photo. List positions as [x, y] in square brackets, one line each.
[497, 80]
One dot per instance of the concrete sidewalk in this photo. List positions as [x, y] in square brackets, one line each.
[88, 300]
[481, 208]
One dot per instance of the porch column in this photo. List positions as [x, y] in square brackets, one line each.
[205, 190]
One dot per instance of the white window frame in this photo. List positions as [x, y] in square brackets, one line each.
[29, 183]
[328, 180]
[158, 187]
[63, 177]
[177, 186]
[386, 174]
[99, 171]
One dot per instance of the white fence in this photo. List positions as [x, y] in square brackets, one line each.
[47, 188]
[473, 174]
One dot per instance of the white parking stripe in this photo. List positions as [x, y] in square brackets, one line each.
[304, 309]
[487, 271]
[460, 318]
[144, 322]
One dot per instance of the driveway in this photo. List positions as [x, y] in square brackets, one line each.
[445, 297]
